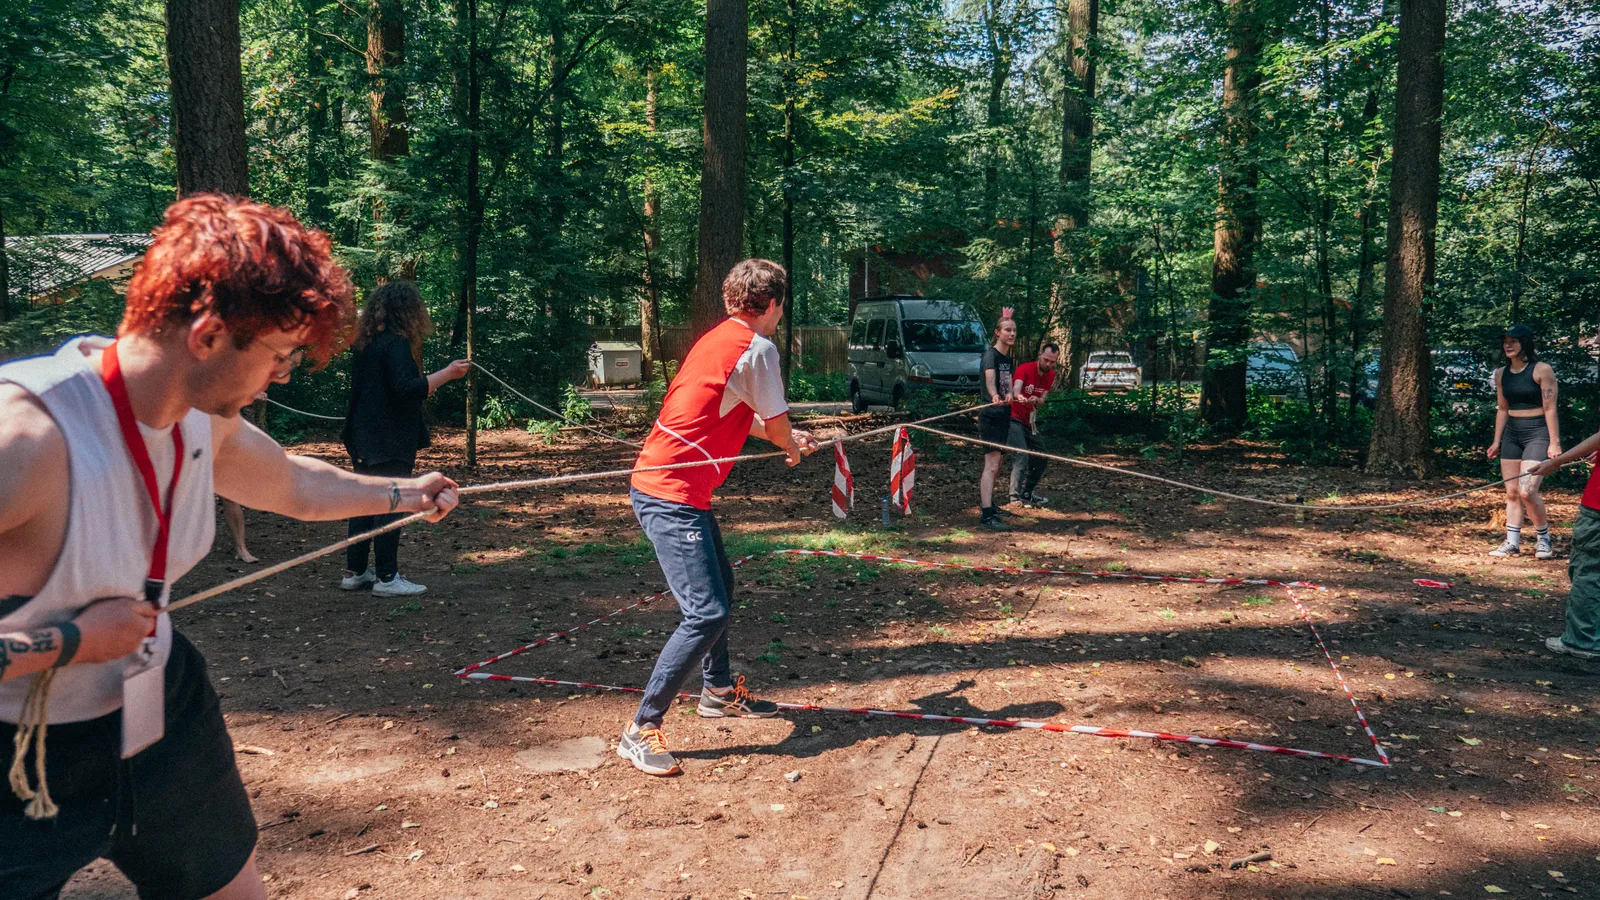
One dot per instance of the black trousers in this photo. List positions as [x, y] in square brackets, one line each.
[386, 547]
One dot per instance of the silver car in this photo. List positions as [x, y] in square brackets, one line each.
[900, 344]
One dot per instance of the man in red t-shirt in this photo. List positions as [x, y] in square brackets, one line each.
[1582, 635]
[1029, 385]
[730, 387]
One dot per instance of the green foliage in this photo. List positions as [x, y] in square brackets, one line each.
[932, 131]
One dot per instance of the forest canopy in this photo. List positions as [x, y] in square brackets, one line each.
[542, 164]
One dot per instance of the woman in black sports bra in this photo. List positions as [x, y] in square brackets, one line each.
[1526, 433]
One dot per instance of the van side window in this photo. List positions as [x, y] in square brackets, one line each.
[875, 335]
[858, 333]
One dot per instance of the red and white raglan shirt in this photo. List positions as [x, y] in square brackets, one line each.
[1034, 384]
[731, 376]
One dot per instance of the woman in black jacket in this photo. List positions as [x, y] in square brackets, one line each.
[384, 428]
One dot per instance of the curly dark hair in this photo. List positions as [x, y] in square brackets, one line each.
[395, 307]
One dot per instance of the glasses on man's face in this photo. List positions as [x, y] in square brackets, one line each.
[284, 363]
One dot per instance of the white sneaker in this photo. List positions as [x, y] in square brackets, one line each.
[352, 581]
[1544, 549]
[1509, 548]
[397, 586]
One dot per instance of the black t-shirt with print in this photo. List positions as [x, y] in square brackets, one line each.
[1001, 364]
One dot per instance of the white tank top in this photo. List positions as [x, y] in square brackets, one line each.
[111, 527]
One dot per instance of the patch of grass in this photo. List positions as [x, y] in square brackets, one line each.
[1166, 613]
[411, 607]
[556, 553]
[780, 619]
[940, 630]
[831, 602]
[1005, 609]
[774, 652]
[465, 569]
[1117, 567]
[1257, 600]
[636, 631]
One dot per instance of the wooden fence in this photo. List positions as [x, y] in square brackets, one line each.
[819, 348]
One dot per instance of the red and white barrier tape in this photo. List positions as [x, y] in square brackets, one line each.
[472, 672]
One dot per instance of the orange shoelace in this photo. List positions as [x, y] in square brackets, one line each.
[655, 738]
[739, 692]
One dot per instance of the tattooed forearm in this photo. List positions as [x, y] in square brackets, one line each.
[23, 653]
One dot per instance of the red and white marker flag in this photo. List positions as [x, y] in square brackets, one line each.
[844, 484]
[902, 471]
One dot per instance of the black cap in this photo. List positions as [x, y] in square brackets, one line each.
[1520, 332]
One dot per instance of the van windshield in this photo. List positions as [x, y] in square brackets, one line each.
[943, 335]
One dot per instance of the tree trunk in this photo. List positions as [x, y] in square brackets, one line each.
[207, 96]
[722, 173]
[1077, 145]
[386, 115]
[1222, 385]
[1520, 258]
[5, 273]
[999, 72]
[788, 192]
[1400, 434]
[317, 206]
[650, 300]
[474, 230]
[1366, 258]
[386, 96]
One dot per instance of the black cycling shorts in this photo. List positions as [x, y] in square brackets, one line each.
[175, 818]
[1525, 438]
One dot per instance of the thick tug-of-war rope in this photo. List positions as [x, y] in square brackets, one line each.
[1072, 460]
[474, 672]
[546, 481]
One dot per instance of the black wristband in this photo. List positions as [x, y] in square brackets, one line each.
[70, 635]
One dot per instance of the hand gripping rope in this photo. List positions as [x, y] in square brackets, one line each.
[474, 673]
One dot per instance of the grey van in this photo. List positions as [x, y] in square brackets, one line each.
[898, 344]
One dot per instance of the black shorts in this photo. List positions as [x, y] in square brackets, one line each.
[995, 427]
[1525, 438]
[175, 818]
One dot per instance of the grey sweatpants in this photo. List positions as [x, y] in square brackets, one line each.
[1025, 470]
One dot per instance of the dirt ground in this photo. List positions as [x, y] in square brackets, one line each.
[375, 773]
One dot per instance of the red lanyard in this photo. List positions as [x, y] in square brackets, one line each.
[111, 373]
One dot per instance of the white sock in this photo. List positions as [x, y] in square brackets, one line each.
[1514, 535]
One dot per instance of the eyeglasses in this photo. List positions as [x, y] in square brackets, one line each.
[284, 363]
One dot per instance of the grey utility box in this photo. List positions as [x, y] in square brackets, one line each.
[615, 362]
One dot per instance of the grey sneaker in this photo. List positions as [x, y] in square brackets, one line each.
[736, 703]
[647, 749]
[1036, 499]
[1557, 645]
[397, 586]
[352, 582]
[1544, 549]
[1509, 548]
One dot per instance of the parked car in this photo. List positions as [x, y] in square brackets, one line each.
[1274, 367]
[1112, 370]
[1458, 377]
[900, 344]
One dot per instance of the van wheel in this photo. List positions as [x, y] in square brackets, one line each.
[899, 396]
[857, 404]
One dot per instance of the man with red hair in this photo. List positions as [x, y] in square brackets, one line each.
[110, 452]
